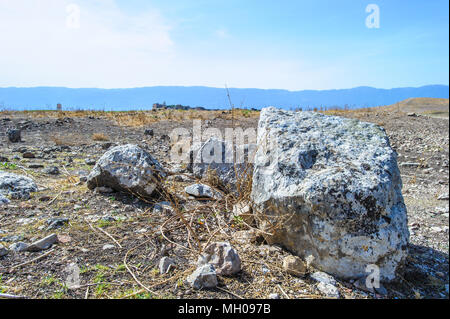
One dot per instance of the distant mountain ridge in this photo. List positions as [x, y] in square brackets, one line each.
[13, 98]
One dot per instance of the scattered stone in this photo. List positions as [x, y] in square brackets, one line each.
[90, 161]
[328, 290]
[14, 135]
[294, 266]
[16, 186]
[217, 157]
[51, 170]
[108, 247]
[108, 218]
[73, 276]
[323, 277]
[312, 170]
[45, 198]
[203, 277]
[12, 238]
[202, 191]
[162, 208]
[64, 239]
[28, 155]
[127, 168]
[43, 244]
[35, 166]
[274, 296]
[83, 179]
[326, 285]
[3, 251]
[55, 223]
[107, 145]
[246, 236]
[166, 264]
[223, 257]
[19, 247]
[179, 178]
[243, 210]
[104, 190]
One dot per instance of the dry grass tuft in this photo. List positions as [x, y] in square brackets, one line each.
[100, 137]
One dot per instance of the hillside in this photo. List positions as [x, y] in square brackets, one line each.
[425, 106]
[211, 98]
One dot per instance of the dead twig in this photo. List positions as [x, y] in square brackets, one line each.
[131, 272]
[30, 261]
[105, 233]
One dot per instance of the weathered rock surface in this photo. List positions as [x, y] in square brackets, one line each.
[16, 186]
[19, 247]
[243, 210]
[127, 168]
[166, 264]
[52, 170]
[3, 251]
[223, 257]
[43, 244]
[227, 164]
[202, 191]
[14, 135]
[163, 208]
[333, 187]
[294, 266]
[326, 284]
[203, 277]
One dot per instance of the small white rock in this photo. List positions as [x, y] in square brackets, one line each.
[165, 264]
[223, 257]
[203, 277]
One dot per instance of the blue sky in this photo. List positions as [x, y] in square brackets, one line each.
[291, 44]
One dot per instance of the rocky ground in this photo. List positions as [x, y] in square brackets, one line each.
[114, 242]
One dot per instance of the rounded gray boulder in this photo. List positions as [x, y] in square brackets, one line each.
[127, 168]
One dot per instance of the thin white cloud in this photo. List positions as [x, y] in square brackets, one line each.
[222, 33]
[38, 47]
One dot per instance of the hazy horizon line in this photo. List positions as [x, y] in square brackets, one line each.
[213, 87]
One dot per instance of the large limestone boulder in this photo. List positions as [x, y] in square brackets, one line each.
[16, 186]
[329, 190]
[127, 168]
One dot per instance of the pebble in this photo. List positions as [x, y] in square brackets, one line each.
[294, 265]
[18, 247]
[43, 244]
[203, 277]
[3, 251]
[166, 264]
